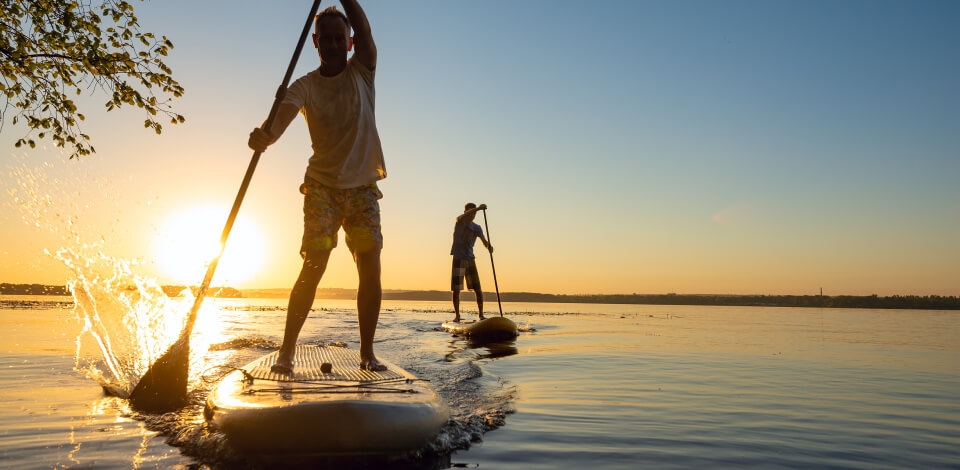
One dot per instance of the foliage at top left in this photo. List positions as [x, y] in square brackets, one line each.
[53, 50]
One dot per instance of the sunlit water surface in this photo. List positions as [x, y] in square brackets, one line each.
[583, 386]
[601, 386]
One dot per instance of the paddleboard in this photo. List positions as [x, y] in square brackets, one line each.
[345, 411]
[489, 329]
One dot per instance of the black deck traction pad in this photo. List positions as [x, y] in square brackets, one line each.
[307, 361]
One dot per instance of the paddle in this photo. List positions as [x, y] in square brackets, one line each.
[164, 386]
[490, 241]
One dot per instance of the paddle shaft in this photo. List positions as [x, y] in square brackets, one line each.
[149, 394]
[494, 268]
[278, 98]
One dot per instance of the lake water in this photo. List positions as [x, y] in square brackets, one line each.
[583, 386]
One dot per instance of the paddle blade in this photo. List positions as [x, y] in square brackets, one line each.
[164, 387]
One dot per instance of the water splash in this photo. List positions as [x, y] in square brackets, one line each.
[126, 320]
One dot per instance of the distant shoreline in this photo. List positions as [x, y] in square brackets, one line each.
[915, 302]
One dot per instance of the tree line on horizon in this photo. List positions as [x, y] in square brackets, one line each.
[914, 302]
[929, 302]
[171, 290]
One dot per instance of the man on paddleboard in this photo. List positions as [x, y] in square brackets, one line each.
[465, 234]
[340, 186]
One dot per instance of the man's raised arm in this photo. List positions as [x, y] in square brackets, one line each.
[364, 49]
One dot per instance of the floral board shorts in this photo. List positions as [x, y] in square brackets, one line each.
[326, 209]
[464, 268]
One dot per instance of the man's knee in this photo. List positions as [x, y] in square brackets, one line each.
[368, 262]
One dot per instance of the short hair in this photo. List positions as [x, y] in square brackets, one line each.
[331, 10]
[469, 206]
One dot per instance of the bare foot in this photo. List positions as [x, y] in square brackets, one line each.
[482, 317]
[284, 365]
[282, 368]
[372, 364]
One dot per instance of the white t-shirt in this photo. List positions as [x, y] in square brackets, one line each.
[339, 112]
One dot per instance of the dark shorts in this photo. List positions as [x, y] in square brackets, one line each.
[327, 209]
[464, 268]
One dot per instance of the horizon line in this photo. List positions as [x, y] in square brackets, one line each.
[319, 289]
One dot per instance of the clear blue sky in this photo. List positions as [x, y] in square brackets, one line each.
[735, 147]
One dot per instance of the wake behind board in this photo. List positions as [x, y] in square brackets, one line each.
[346, 411]
[489, 329]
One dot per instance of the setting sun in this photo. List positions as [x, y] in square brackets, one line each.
[190, 240]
